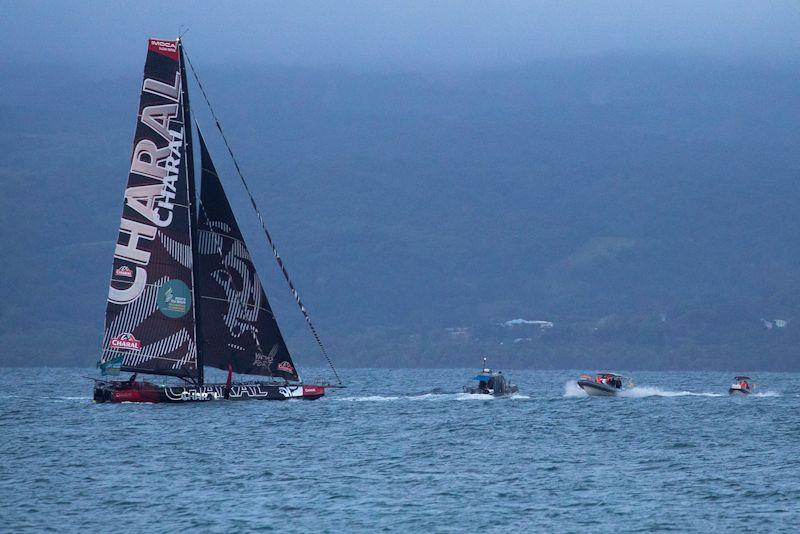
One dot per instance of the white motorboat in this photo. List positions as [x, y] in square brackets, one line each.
[741, 386]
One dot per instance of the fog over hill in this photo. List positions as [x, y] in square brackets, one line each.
[634, 211]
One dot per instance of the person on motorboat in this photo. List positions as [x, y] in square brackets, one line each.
[483, 386]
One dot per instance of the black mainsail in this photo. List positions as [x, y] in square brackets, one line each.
[150, 325]
[239, 326]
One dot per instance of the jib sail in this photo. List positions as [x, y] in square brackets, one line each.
[150, 324]
[239, 328]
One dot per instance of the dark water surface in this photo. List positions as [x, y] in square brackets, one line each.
[387, 454]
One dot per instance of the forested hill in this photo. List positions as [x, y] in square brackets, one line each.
[633, 212]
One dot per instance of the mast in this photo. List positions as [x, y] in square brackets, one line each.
[187, 123]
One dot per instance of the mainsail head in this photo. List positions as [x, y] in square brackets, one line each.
[239, 327]
[150, 324]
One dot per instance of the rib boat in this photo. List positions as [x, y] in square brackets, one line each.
[601, 385]
[491, 383]
[184, 292]
[741, 386]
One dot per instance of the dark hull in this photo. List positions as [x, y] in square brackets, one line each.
[597, 389]
[738, 392]
[146, 392]
[511, 390]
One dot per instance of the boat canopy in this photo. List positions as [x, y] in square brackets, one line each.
[482, 377]
[742, 378]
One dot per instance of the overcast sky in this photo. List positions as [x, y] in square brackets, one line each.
[406, 33]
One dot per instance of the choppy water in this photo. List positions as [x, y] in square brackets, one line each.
[390, 453]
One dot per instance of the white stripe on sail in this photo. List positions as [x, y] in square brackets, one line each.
[178, 251]
[168, 345]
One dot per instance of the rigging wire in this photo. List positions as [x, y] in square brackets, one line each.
[275, 253]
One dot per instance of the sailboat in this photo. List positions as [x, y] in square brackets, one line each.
[184, 292]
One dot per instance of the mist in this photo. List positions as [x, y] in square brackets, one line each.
[403, 35]
[625, 173]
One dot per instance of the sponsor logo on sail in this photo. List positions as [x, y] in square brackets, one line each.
[124, 271]
[262, 360]
[286, 367]
[125, 341]
[174, 299]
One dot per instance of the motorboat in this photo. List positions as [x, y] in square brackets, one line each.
[490, 383]
[601, 384]
[741, 386]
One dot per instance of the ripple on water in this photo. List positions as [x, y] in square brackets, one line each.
[687, 458]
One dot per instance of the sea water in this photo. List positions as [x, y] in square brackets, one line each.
[404, 450]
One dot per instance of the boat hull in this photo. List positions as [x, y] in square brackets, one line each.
[511, 390]
[146, 392]
[738, 392]
[595, 389]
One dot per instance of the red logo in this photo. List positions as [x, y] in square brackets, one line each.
[286, 366]
[166, 48]
[125, 341]
[125, 271]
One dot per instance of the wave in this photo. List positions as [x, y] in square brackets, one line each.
[766, 394]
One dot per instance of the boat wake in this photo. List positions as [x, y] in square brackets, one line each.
[571, 389]
[651, 391]
[471, 396]
[369, 398]
[766, 394]
[431, 397]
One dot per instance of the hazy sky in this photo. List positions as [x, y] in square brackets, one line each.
[407, 33]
